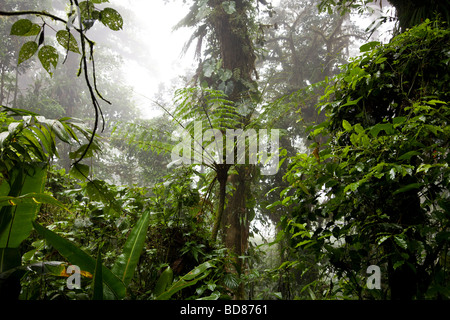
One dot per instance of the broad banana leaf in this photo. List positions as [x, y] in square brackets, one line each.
[126, 263]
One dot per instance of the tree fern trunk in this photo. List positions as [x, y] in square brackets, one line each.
[222, 176]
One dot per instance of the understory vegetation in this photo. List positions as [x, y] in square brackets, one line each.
[361, 181]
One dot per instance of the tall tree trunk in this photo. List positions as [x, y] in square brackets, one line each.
[222, 177]
[235, 46]
[237, 54]
[236, 222]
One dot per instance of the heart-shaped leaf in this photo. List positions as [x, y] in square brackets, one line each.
[21, 27]
[111, 18]
[67, 40]
[48, 56]
[27, 51]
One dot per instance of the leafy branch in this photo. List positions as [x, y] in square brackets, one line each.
[48, 55]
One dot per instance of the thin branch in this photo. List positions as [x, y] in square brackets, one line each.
[32, 12]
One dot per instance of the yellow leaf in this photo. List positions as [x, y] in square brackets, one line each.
[83, 273]
[316, 154]
[86, 274]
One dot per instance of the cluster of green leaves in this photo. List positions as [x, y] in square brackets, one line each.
[145, 147]
[106, 232]
[119, 235]
[211, 107]
[380, 84]
[33, 137]
[377, 192]
[409, 12]
[27, 145]
[176, 199]
[47, 54]
[107, 16]
[107, 229]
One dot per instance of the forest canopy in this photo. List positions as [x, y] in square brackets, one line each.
[304, 157]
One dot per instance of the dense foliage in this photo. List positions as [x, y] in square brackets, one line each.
[362, 180]
[377, 192]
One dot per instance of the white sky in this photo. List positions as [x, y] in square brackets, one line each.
[164, 46]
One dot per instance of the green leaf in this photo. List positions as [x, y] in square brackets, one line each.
[87, 10]
[21, 27]
[33, 144]
[304, 242]
[199, 270]
[351, 102]
[27, 51]
[398, 264]
[434, 129]
[79, 171]
[354, 139]
[79, 152]
[286, 200]
[31, 198]
[424, 167]
[380, 60]
[3, 137]
[400, 242]
[60, 131]
[48, 56]
[15, 222]
[359, 128]
[67, 40]
[352, 186]
[408, 187]
[273, 205]
[188, 280]
[78, 257]
[369, 46]
[398, 121]
[9, 259]
[126, 263]
[45, 138]
[213, 296]
[34, 30]
[382, 239]
[434, 102]
[303, 187]
[164, 281]
[408, 155]
[386, 127]
[111, 18]
[231, 280]
[98, 278]
[346, 125]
